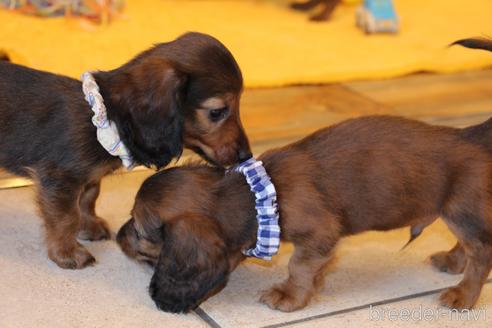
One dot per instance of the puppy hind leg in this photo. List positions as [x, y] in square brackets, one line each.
[476, 240]
[467, 292]
[453, 261]
[92, 227]
[58, 202]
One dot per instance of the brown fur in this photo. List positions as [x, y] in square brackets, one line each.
[183, 93]
[370, 173]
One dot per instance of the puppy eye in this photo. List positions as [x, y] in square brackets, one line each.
[218, 114]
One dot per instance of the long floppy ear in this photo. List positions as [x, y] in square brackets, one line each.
[193, 264]
[146, 99]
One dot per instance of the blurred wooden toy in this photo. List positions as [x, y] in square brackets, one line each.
[377, 16]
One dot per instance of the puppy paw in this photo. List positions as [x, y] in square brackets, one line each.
[458, 298]
[94, 229]
[72, 257]
[444, 262]
[283, 299]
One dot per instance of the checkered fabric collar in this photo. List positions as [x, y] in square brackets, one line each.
[107, 132]
[268, 237]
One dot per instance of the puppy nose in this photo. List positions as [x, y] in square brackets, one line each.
[244, 155]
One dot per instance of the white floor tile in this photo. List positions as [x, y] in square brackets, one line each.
[34, 292]
[417, 312]
[368, 268]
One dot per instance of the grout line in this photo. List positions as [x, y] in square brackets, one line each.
[205, 317]
[361, 307]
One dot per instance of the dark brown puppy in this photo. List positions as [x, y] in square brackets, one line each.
[370, 173]
[182, 93]
[327, 7]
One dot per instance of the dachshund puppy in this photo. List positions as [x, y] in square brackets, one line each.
[371, 173]
[183, 93]
[328, 6]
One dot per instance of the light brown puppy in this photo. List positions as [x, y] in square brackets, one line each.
[370, 173]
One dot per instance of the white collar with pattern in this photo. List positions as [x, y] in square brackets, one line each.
[107, 132]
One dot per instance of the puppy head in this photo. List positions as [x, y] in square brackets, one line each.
[173, 230]
[212, 124]
[183, 93]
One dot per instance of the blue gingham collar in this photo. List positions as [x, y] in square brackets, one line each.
[268, 237]
[107, 132]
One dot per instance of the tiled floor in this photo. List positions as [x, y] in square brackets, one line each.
[368, 268]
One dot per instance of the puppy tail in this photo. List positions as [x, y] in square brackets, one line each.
[475, 43]
[480, 134]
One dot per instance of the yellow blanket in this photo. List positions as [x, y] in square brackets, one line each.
[273, 44]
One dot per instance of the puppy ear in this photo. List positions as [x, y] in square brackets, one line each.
[146, 98]
[193, 265]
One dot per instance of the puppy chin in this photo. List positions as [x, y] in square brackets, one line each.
[208, 155]
[227, 155]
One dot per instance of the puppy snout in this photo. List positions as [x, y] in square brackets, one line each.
[244, 152]
[126, 238]
[228, 155]
[122, 233]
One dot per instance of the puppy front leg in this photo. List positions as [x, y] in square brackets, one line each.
[58, 201]
[92, 227]
[306, 273]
